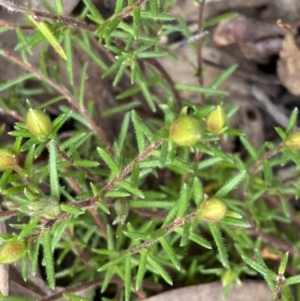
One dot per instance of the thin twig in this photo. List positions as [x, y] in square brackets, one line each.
[13, 114]
[275, 111]
[199, 48]
[60, 89]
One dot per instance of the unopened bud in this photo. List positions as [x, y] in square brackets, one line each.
[293, 141]
[11, 251]
[7, 159]
[38, 123]
[213, 210]
[185, 131]
[215, 121]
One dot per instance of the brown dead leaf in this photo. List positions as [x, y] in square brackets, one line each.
[257, 40]
[288, 66]
[248, 291]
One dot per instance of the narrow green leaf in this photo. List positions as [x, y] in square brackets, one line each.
[217, 82]
[250, 149]
[111, 163]
[69, 54]
[280, 132]
[164, 151]
[113, 24]
[198, 191]
[119, 6]
[151, 54]
[53, 172]
[158, 17]
[29, 228]
[83, 79]
[140, 126]
[71, 209]
[123, 131]
[136, 235]
[236, 222]
[267, 173]
[287, 294]
[159, 269]
[292, 120]
[48, 258]
[93, 9]
[216, 233]
[134, 174]
[113, 262]
[34, 255]
[256, 265]
[59, 7]
[200, 241]
[60, 120]
[45, 31]
[134, 190]
[185, 234]
[127, 280]
[285, 204]
[170, 252]
[140, 138]
[172, 214]
[136, 20]
[141, 269]
[106, 280]
[154, 8]
[110, 238]
[57, 232]
[283, 263]
[12, 82]
[231, 184]
[183, 201]
[81, 137]
[121, 71]
[202, 90]
[86, 163]
[145, 91]
[24, 267]
[292, 280]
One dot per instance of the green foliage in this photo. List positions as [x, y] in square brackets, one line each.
[130, 206]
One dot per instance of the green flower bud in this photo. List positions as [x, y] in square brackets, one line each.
[185, 131]
[216, 119]
[11, 251]
[293, 141]
[7, 159]
[38, 123]
[212, 210]
[228, 277]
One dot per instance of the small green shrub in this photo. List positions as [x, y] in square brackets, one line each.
[137, 209]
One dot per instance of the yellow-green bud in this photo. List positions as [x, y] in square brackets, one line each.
[38, 123]
[293, 141]
[185, 131]
[7, 159]
[212, 210]
[215, 121]
[228, 277]
[11, 251]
